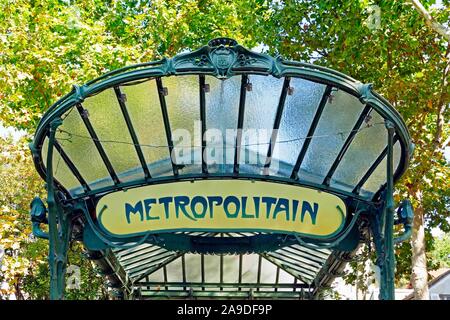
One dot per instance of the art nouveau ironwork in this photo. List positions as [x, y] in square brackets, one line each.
[324, 131]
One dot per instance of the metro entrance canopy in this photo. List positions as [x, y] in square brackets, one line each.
[221, 173]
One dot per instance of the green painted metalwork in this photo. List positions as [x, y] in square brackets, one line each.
[387, 287]
[59, 225]
[225, 61]
[127, 261]
[406, 216]
[121, 99]
[38, 217]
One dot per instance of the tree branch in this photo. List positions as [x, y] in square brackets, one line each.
[430, 21]
[443, 101]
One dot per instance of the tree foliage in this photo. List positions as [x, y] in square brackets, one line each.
[389, 44]
[19, 185]
[441, 252]
[49, 45]
[24, 271]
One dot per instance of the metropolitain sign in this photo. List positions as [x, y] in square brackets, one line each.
[222, 206]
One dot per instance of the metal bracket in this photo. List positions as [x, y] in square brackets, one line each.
[38, 216]
[405, 216]
[338, 240]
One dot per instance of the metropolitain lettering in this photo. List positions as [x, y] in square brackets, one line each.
[233, 207]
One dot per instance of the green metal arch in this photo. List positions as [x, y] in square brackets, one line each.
[224, 58]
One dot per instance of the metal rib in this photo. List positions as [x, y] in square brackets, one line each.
[97, 143]
[71, 166]
[202, 88]
[121, 99]
[165, 115]
[276, 124]
[372, 168]
[237, 152]
[311, 131]
[348, 141]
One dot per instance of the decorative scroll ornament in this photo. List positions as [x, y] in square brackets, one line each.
[224, 57]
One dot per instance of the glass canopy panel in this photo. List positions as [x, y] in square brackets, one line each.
[144, 108]
[340, 114]
[174, 272]
[109, 124]
[299, 110]
[153, 269]
[222, 108]
[183, 108]
[268, 272]
[338, 118]
[254, 270]
[260, 108]
[230, 270]
[74, 138]
[367, 145]
[378, 177]
[212, 268]
[194, 274]
[61, 171]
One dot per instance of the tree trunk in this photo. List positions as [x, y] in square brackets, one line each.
[18, 291]
[419, 275]
[430, 21]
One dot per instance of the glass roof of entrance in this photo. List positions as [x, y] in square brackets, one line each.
[321, 135]
[293, 272]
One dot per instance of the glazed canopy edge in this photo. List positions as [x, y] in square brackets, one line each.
[204, 61]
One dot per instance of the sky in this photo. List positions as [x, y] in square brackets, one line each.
[6, 131]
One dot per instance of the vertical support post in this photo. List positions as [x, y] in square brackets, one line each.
[240, 271]
[387, 287]
[202, 266]
[258, 276]
[202, 92]
[59, 226]
[240, 124]
[277, 278]
[183, 269]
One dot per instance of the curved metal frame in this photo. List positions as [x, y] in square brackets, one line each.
[240, 61]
